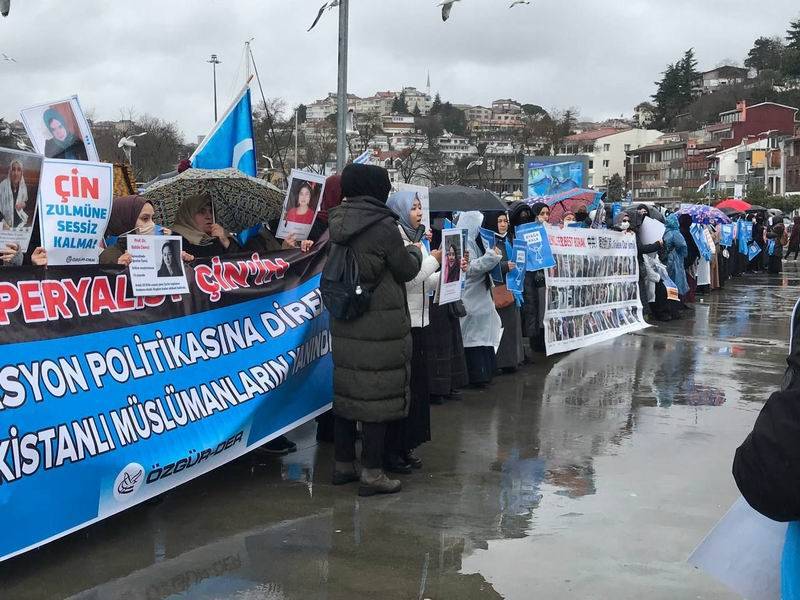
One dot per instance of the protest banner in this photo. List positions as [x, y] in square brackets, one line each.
[74, 207]
[107, 400]
[593, 289]
[450, 281]
[59, 129]
[423, 193]
[303, 199]
[744, 233]
[20, 173]
[727, 234]
[515, 280]
[699, 237]
[540, 255]
[157, 267]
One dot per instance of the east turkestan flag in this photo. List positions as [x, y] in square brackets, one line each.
[230, 142]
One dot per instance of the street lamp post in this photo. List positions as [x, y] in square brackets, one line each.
[214, 62]
[341, 101]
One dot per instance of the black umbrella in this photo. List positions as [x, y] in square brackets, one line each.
[757, 208]
[652, 212]
[731, 212]
[449, 198]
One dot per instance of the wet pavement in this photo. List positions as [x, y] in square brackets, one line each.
[589, 475]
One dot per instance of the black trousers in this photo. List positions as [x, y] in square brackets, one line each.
[373, 436]
[795, 250]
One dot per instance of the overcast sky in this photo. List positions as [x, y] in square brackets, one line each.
[601, 57]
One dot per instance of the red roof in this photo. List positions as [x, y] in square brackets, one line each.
[594, 134]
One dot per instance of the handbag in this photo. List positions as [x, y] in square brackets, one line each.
[501, 296]
[457, 309]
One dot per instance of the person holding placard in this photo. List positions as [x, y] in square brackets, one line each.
[202, 237]
[534, 295]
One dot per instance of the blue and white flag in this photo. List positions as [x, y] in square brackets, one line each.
[230, 143]
[364, 158]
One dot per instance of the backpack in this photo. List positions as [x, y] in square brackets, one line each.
[340, 286]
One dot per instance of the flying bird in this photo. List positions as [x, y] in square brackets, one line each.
[475, 163]
[447, 6]
[5, 6]
[126, 143]
[7, 58]
[518, 2]
[327, 6]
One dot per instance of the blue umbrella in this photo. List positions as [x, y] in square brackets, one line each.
[705, 215]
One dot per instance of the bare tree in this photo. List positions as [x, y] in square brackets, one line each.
[413, 163]
[274, 132]
[319, 145]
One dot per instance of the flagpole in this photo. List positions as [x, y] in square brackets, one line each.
[296, 132]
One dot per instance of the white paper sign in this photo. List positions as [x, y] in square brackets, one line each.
[157, 267]
[651, 230]
[743, 551]
[74, 207]
[451, 278]
[20, 173]
[302, 203]
[59, 129]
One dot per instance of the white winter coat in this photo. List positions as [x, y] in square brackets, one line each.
[651, 274]
[419, 288]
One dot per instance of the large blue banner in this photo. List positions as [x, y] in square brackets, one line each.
[107, 400]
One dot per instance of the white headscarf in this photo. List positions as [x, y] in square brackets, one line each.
[8, 206]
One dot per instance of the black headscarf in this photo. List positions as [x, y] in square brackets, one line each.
[537, 208]
[366, 180]
[519, 213]
[685, 222]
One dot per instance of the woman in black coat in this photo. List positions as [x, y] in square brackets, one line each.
[372, 353]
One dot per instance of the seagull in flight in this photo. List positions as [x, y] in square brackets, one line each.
[518, 2]
[7, 58]
[127, 142]
[326, 6]
[447, 6]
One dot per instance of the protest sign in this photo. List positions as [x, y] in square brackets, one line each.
[770, 247]
[126, 398]
[593, 289]
[672, 289]
[74, 207]
[303, 199]
[492, 240]
[451, 274]
[699, 236]
[743, 551]
[744, 233]
[539, 254]
[651, 231]
[753, 250]
[157, 267]
[515, 280]
[20, 173]
[726, 235]
[59, 129]
[422, 193]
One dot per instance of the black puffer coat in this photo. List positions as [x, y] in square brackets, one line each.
[372, 354]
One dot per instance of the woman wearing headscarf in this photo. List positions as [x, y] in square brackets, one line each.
[794, 239]
[405, 435]
[63, 143]
[533, 296]
[776, 239]
[692, 256]
[444, 345]
[510, 354]
[481, 327]
[14, 197]
[372, 353]
[676, 251]
[202, 237]
[622, 222]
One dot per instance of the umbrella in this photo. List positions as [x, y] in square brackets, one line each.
[652, 212]
[705, 215]
[731, 212]
[450, 198]
[734, 203]
[756, 208]
[569, 201]
[239, 201]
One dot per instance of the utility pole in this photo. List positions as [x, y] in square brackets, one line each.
[214, 62]
[296, 133]
[341, 103]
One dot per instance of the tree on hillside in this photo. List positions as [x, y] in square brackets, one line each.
[616, 188]
[302, 113]
[793, 35]
[399, 104]
[437, 104]
[675, 90]
[791, 62]
[766, 54]
[453, 119]
[533, 110]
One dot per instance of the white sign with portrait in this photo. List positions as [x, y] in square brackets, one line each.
[451, 278]
[303, 200]
[59, 129]
[157, 267]
[20, 173]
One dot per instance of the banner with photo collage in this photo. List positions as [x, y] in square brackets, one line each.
[593, 289]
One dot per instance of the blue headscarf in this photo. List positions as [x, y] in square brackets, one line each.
[401, 203]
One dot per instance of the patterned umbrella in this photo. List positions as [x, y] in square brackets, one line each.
[569, 201]
[239, 201]
[704, 215]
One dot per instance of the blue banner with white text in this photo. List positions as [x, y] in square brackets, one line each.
[107, 399]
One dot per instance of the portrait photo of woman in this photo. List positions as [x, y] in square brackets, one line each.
[452, 265]
[63, 142]
[59, 129]
[303, 211]
[14, 197]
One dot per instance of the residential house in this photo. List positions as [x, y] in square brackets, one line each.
[455, 147]
[711, 81]
[751, 120]
[394, 124]
[791, 165]
[506, 106]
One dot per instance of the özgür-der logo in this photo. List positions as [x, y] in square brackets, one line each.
[128, 482]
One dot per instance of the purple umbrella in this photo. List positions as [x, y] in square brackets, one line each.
[705, 215]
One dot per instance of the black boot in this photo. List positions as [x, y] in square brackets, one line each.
[396, 463]
[413, 460]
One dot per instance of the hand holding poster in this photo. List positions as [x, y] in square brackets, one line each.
[492, 240]
[451, 273]
[75, 204]
[19, 187]
[303, 199]
[535, 236]
[59, 129]
[157, 267]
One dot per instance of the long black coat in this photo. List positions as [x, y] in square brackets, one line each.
[767, 465]
[372, 354]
